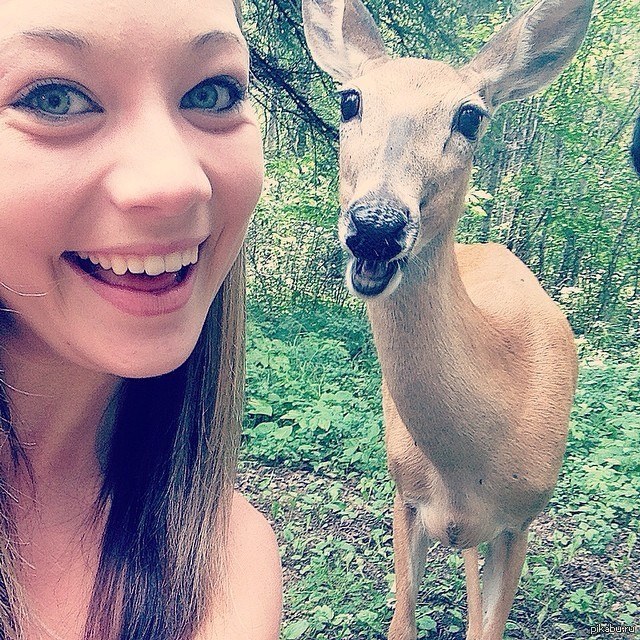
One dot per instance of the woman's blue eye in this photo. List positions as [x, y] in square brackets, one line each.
[214, 94]
[55, 99]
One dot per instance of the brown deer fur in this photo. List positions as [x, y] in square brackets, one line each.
[478, 363]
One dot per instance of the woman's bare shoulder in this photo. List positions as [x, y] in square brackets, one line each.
[253, 606]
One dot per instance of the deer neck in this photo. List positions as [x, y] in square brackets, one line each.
[445, 366]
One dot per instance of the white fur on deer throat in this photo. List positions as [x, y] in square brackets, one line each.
[151, 265]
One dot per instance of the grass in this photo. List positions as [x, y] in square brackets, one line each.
[313, 461]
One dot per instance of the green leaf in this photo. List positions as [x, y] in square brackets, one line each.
[283, 433]
[295, 630]
[259, 407]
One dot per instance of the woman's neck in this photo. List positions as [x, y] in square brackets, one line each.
[57, 409]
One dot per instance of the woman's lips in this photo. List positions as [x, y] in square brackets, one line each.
[138, 294]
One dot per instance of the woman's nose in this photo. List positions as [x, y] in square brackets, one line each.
[156, 169]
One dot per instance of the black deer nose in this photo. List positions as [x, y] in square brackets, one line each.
[378, 230]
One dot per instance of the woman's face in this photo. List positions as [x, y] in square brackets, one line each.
[125, 139]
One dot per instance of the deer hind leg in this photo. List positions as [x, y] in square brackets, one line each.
[410, 544]
[501, 574]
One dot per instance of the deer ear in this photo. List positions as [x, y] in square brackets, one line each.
[531, 50]
[341, 36]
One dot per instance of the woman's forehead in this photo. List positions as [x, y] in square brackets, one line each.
[120, 21]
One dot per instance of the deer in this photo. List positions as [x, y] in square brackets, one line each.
[478, 363]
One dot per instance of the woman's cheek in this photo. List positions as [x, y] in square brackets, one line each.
[42, 198]
[241, 176]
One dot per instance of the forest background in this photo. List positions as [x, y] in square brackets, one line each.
[553, 182]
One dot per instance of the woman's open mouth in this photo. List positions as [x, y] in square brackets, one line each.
[138, 285]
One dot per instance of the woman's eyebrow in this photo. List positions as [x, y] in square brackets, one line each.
[218, 37]
[77, 41]
[59, 36]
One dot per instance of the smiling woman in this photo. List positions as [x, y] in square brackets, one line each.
[131, 164]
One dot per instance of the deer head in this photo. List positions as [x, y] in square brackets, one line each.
[410, 127]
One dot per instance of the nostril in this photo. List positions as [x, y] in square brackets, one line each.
[354, 243]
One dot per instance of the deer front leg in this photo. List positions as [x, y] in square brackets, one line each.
[474, 595]
[410, 544]
[501, 574]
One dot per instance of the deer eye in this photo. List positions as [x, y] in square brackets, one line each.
[349, 104]
[468, 122]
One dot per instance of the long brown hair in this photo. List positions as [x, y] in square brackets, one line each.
[166, 493]
[168, 486]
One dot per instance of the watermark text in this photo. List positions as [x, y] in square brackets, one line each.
[614, 628]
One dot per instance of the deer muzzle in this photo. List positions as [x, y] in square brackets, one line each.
[375, 232]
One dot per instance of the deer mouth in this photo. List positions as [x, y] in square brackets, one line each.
[371, 278]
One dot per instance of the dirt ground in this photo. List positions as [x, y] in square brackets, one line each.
[584, 569]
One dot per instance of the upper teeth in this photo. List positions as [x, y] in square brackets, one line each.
[151, 265]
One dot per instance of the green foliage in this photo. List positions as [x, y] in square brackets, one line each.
[292, 248]
[601, 479]
[315, 421]
[313, 397]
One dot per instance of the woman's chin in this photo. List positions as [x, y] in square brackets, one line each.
[149, 369]
[129, 356]
[146, 363]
